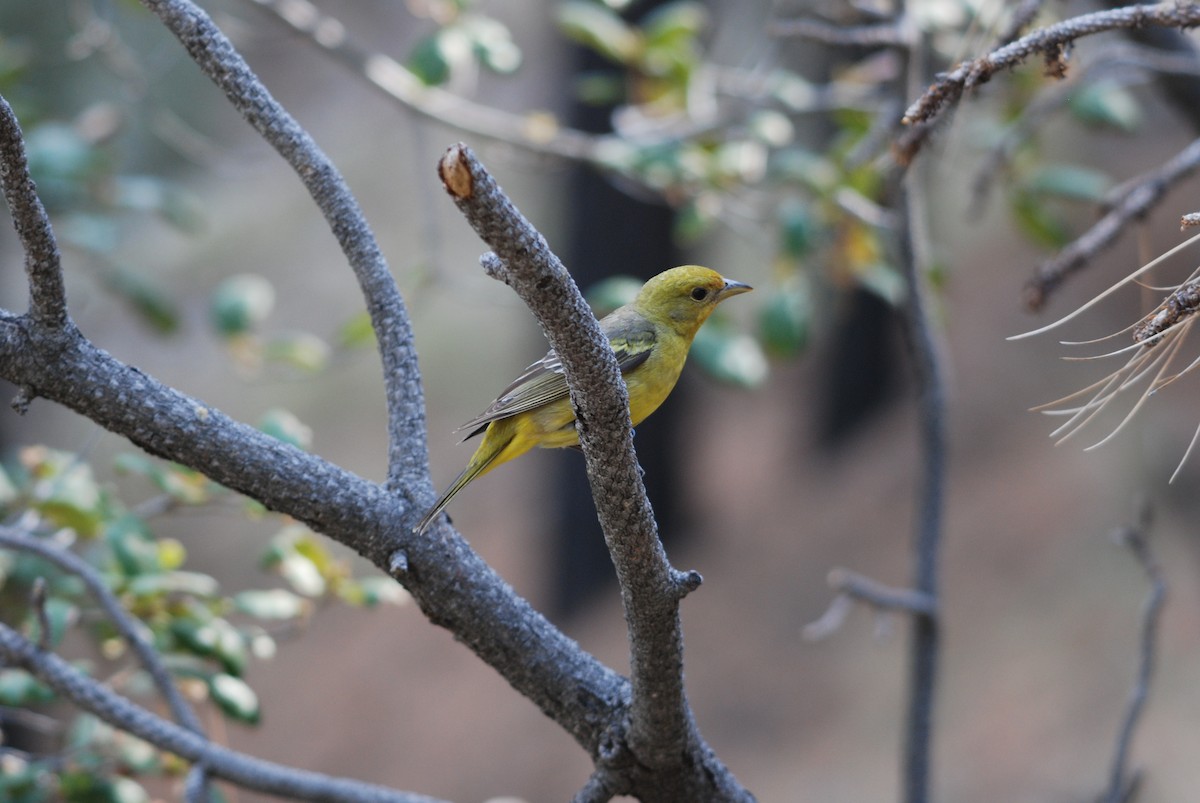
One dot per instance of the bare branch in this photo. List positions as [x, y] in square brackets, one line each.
[43, 265]
[851, 587]
[1137, 197]
[408, 458]
[662, 734]
[1051, 42]
[927, 363]
[1114, 60]
[1122, 783]
[241, 769]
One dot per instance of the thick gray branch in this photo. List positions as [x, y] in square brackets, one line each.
[408, 458]
[669, 751]
[252, 773]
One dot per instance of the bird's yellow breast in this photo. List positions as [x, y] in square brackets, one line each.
[651, 382]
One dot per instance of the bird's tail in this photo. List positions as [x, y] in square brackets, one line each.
[479, 464]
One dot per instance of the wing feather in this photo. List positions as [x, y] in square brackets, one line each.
[544, 382]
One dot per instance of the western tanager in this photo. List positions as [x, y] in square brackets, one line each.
[650, 336]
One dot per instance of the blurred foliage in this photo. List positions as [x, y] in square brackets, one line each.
[722, 146]
[206, 635]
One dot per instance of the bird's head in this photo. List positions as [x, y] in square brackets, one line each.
[686, 296]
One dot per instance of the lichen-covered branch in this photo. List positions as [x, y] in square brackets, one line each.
[667, 750]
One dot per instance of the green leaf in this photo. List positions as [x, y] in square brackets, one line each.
[1039, 221]
[18, 689]
[884, 281]
[195, 584]
[23, 781]
[1073, 182]
[797, 229]
[301, 350]
[180, 483]
[371, 591]
[132, 545]
[240, 303]
[493, 43]
[785, 319]
[81, 786]
[599, 88]
[683, 19]
[357, 332]
[94, 234]
[145, 193]
[235, 697]
[153, 306]
[729, 355]
[599, 29]
[283, 425]
[64, 490]
[426, 62]
[273, 604]
[1107, 103]
[215, 638]
[695, 218]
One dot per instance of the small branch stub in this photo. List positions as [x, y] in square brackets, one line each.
[454, 173]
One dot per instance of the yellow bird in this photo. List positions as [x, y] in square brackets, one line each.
[650, 337]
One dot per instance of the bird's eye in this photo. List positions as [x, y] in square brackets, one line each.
[699, 293]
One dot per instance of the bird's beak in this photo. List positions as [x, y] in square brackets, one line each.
[733, 288]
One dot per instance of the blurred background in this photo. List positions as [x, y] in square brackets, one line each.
[789, 448]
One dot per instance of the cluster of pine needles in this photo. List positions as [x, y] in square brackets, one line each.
[1152, 361]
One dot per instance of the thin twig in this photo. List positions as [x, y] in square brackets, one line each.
[247, 771]
[400, 84]
[216, 57]
[1122, 783]
[912, 257]
[1050, 41]
[597, 789]
[1137, 198]
[853, 587]
[43, 265]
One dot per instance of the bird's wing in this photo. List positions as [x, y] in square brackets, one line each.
[544, 382]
